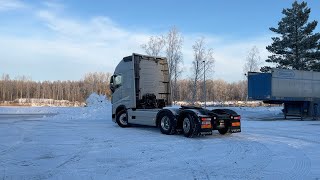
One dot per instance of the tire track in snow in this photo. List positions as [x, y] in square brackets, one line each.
[4, 171]
[193, 164]
[77, 156]
[73, 158]
[15, 146]
[237, 152]
[257, 156]
[198, 170]
[301, 167]
[302, 136]
[21, 139]
[231, 159]
[300, 170]
[302, 164]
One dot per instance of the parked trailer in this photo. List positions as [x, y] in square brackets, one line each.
[299, 91]
[141, 94]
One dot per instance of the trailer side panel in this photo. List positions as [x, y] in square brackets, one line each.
[295, 84]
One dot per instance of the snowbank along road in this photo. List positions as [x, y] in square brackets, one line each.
[83, 143]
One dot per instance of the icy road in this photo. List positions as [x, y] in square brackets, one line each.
[83, 143]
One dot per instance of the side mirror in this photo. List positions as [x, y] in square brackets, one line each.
[112, 89]
[111, 85]
[115, 82]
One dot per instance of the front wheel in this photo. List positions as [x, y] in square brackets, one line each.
[122, 118]
[188, 126]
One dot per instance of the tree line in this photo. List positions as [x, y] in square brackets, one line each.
[216, 91]
[73, 91]
[77, 91]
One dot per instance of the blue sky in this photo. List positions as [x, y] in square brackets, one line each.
[63, 40]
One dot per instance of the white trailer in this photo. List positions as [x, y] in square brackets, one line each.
[299, 91]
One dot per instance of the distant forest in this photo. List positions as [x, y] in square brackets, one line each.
[77, 91]
[24, 87]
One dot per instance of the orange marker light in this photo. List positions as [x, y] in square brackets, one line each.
[236, 124]
[206, 126]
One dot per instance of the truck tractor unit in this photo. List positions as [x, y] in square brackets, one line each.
[141, 95]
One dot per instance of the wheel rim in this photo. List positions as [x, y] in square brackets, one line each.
[165, 123]
[186, 125]
[123, 119]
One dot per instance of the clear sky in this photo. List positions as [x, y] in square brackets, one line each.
[64, 39]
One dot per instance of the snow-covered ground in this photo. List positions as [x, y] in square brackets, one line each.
[84, 143]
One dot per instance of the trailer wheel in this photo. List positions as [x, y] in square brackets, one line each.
[188, 126]
[223, 131]
[166, 123]
[122, 118]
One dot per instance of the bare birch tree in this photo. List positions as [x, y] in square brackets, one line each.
[203, 63]
[154, 46]
[5, 79]
[174, 42]
[253, 61]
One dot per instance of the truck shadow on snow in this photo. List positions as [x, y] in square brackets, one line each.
[147, 130]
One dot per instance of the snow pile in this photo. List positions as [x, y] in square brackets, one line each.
[97, 107]
[97, 101]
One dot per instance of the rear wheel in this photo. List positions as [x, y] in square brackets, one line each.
[188, 126]
[167, 124]
[122, 118]
[223, 131]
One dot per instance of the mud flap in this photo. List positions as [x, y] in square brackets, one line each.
[203, 131]
[235, 126]
[206, 132]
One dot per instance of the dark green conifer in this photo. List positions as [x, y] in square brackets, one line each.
[296, 46]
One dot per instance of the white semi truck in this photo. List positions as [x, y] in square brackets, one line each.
[141, 94]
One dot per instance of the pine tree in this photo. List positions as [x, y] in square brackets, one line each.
[296, 47]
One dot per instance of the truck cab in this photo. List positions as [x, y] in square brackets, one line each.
[141, 94]
[140, 83]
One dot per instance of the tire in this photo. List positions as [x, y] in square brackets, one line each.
[188, 126]
[122, 118]
[224, 131]
[167, 123]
